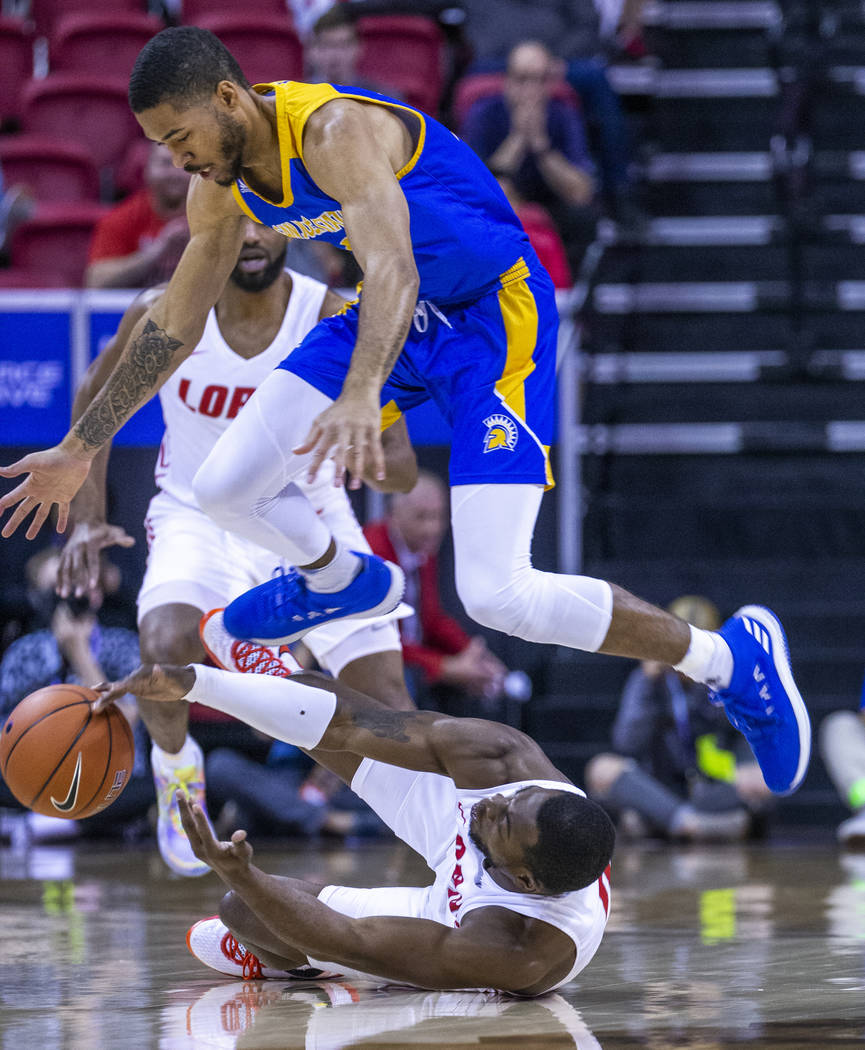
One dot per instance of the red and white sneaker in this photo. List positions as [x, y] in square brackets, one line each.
[232, 654]
[212, 943]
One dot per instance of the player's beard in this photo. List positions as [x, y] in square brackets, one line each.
[257, 282]
[232, 142]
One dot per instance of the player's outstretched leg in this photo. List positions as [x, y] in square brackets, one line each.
[285, 608]
[745, 664]
[762, 700]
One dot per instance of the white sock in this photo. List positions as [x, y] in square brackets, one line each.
[188, 755]
[338, 573]
[708, 659]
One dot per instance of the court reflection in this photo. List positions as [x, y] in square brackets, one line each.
[336, 1015]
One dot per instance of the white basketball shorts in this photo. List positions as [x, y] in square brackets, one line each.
[191, 561]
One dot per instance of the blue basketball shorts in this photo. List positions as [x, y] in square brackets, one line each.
[489, 366]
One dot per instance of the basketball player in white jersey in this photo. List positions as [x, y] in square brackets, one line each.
[521, 857]
[193, 565]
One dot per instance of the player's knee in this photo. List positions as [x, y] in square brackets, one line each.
[163, 640]
[602, 771]
[216, 493]
[494, 604]
[233, 912]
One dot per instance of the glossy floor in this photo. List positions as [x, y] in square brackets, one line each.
[707, 949]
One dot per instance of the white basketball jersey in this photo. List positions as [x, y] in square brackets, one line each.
[208, 390]
[462, 883]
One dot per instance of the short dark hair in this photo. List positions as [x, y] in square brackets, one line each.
[575, 843]
[335, 18]
[182, 65]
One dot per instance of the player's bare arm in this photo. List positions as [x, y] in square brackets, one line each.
[493, 947]
[474, 752]
[159, 343]
[400, 462]
[353, 151]
[78, 571]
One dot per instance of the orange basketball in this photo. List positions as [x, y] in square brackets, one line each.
[60, 757]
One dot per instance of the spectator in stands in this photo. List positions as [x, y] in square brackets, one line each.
[16, 205]
[332, 52]
[539, 142]
[572, 31]
[139, 242]
[268, 798]
[677, 770]
[541, 231]
[842, 745]
[75, 647]
[451, 669]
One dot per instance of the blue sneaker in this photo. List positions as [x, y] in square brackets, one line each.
[762, 700]
[284, 608]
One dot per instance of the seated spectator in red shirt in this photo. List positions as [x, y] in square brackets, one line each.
[140, 241]
[539, 142]
[451, 668]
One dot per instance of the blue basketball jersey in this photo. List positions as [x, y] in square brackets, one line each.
[465, 235]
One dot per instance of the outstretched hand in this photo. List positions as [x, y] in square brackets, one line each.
[228, 859]
[80, 563]
[54, 476]
[149, 681]
[349, 431]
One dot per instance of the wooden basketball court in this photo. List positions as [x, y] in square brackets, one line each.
[707, 949]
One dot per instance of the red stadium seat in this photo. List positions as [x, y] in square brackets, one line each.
[193, 11]
[405, 52]
[267, 48]
[17, 277]
[476, 86]
[16, 65]
[90, 110]
[56, 240]
[54, 170]
[46, 13]
[107, 41]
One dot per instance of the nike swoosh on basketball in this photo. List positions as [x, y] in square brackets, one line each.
[69, 802]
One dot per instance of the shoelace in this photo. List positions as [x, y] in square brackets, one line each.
[186, 780]
[250, 658]
[234, 951]
[287, 583]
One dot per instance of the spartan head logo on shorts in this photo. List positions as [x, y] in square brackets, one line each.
[501, 433]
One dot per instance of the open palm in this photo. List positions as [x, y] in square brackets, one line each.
[54, 476]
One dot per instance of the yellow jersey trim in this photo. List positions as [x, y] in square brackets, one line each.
[390, 413]
[295, 103]
[520, 318]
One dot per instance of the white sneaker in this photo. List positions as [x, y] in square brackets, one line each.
[173, 843]
[851, 834]
[212, 943]
[232, 654]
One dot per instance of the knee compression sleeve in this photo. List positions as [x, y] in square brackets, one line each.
[492, 529]
[245, 484]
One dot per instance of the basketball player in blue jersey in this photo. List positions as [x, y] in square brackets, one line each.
[455, 307]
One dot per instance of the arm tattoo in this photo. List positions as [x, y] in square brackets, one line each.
[137, 373]
[390, 725]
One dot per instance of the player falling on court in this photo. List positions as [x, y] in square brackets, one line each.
[521, 857]
[455, 308]
[192, 564]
